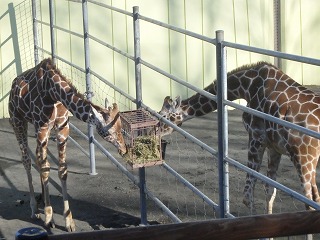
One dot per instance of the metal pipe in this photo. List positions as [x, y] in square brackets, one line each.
[35, 32]
[79, 146]
[111, 47]
[277, 30]
[292, 57]
[163, 207]
[52, 33]
[137, 57]
[179, 80]
[273, 183]
[88, 84]
[222, 125]
[192, 188]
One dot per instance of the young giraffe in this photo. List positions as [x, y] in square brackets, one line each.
[269, 90]
[42, 96]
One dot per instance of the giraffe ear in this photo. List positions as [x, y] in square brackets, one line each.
[96, 116]
[106, 103]
[177, 102]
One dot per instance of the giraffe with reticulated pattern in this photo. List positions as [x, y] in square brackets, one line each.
[269, 90]
[43, 96]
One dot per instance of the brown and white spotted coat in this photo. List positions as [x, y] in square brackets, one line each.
[42, 96]
[269, 90]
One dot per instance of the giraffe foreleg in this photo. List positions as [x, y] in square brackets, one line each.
[273, 163]
[44, 168]
[62, 135]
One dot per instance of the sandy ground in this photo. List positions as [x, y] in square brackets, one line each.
[109, 200]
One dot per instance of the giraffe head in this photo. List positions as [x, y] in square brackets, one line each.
[108, 126]
[172, 111]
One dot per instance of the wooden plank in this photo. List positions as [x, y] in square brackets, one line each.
[262, 226]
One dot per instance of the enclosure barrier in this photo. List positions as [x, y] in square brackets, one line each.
[221, 154]
[263, 226]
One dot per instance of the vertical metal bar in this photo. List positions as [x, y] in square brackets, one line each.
[88, 83]
[35, 32]
[52, 32]
[277, 30]
[137, 57]
[222, 125]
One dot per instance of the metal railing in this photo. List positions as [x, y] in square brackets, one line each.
[221, 154]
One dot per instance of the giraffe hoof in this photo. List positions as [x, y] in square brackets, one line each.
[35, 216]
[246, 202]
[70, 226]
[50, 224]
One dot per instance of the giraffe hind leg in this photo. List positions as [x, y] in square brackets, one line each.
[20, 129]
[273, 163]
[255, 155]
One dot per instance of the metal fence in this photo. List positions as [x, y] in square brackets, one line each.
[221, 155]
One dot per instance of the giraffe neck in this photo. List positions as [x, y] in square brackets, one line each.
[243, 83]
[55, 85]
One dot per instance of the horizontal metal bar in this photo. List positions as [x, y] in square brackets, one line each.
[292, 57]
[69, 63]
[234, 162]
[181, 131]
[111, 47]
[163, 207]
[68, 31]
[60, 28]
[79, 131]
[42, 22]
[133, 178]
[180, 30]
[179, 80]
[111, 8]
[274, 119]
[79, 146]
[43, 50]
[273, 183]
[193, 188]
[119, 90]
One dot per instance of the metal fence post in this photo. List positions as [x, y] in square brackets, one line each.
[52, 34]
[88, 84]
[222, 125]
[35, 32]
[137, 56]
[277, 30]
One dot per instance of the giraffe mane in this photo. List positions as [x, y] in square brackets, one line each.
[248, 66]
[49, 65]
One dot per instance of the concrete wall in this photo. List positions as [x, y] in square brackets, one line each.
[247, 22]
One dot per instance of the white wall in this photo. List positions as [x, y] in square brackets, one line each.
[247, 22]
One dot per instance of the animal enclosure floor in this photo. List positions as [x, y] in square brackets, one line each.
[109, 200]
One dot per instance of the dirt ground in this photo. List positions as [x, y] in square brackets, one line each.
[109, 200]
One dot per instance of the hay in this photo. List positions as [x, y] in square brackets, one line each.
[145, 149]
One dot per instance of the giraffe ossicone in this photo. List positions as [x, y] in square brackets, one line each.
[43, 96]
[266, 89]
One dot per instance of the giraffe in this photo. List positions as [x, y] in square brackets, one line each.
[42, 96]
[269, 90]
